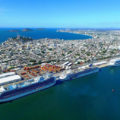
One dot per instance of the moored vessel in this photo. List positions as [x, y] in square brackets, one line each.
[114, 62]
[85, 71]
[80, 72]
[12, 90]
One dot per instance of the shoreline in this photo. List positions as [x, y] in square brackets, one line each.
[37, 34]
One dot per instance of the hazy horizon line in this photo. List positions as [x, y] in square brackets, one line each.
[59, 28]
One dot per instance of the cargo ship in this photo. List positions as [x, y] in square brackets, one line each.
[12, 86]
[80, 72]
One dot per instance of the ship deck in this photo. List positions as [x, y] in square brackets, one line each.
[103, 65]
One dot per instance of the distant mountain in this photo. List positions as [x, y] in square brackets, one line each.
[27, 29]
[13, 30]
[40, 29]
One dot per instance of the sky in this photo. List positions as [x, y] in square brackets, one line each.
[60, 13]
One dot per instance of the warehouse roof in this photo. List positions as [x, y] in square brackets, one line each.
[7, 74]
[9, 79]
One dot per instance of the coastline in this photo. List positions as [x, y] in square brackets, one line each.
[38, 34]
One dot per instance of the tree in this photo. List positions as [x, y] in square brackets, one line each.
[32, 60]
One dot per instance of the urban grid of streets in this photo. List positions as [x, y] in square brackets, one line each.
[19, 52]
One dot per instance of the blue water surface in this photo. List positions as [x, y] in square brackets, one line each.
[37, 34]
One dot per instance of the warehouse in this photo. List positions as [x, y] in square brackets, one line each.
[9, 79]
[7, 74]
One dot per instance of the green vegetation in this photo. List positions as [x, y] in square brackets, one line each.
[50, 49]
[39, 62]
[88, 53]
[32, 60]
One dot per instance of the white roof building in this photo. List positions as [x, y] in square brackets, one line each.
[7, 74]
[9, 79]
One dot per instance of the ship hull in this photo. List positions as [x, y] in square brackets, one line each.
[115, 65]
[85, 73]
[16, 96]
[80, 74]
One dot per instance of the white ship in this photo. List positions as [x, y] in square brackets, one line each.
[84, 71]
[81, 72]
[66, 75]
[115, 62]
